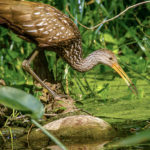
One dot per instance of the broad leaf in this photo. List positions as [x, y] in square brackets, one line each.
[19, 100]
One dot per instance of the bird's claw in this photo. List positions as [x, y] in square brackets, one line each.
[59, 97]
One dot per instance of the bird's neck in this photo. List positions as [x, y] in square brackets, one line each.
[73, 55]
[85, 64]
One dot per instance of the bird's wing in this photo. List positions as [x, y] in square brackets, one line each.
[37, 22]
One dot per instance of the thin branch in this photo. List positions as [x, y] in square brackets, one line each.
[105, 21]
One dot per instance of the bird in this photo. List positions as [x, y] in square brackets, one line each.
[52, 30]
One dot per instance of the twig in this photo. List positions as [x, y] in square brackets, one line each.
[50, 115]
[105, 21]
[29, 135]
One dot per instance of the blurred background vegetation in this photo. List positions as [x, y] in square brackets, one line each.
[127, 36]
[99, 91]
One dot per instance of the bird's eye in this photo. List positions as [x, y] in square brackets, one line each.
[110, 58]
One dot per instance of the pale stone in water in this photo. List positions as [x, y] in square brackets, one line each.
[81, 127]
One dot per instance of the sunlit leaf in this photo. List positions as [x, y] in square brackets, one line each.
[109, 38]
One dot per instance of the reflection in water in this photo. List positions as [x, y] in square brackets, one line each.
[92, 146]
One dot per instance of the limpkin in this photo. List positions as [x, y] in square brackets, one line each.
[52, 30]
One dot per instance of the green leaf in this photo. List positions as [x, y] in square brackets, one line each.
[108, 38]
[51, 136]
[134, 139]
[19, 100]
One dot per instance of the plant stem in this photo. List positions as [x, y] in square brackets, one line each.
[54, 139]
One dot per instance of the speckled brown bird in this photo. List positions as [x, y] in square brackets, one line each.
[52, 30]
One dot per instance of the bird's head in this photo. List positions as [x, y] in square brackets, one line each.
[108, 58]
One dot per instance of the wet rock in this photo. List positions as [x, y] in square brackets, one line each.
[76, 132]
[81, 128]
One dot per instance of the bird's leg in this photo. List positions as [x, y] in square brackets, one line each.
[26, 66]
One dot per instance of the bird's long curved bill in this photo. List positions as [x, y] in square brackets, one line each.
[124, 76]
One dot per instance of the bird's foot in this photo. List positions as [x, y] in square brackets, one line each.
[60, 96]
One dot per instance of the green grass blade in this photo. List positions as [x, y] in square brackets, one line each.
[54, 139]
[133, 140]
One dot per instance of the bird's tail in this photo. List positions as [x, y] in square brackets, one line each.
[11, 9]
[5, 10]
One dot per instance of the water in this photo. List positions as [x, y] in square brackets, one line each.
[110, 100]
[124, 128]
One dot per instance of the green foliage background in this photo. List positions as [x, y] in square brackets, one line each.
[99, 91]
[128, 37]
